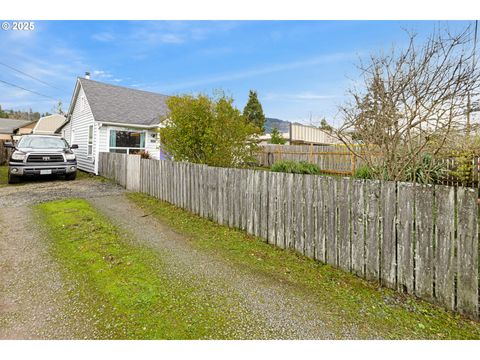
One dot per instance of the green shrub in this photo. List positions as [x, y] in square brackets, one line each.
[301, 167]
[364, 172]
[427, 171]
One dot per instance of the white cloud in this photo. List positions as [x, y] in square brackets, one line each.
[104, 75]
[177, 32]
[263, 70]
[301, 96]
[104, 36]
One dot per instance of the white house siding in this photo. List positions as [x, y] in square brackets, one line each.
[152, 144]
[81, 119]
[66, 132]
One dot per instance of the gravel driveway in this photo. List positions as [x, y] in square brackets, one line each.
[281, 312]
[34, 302]
[37, 191]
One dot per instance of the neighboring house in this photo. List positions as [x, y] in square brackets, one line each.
[12, 129]
[109, 118]
[307, 134]
[299, 134]
[47, 125]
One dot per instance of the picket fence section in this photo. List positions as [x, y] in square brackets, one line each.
[418, 239]
[335, 159]
[4, 153]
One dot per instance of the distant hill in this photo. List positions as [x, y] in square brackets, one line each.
[282, 125]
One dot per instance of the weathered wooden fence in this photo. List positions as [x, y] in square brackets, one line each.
[4, 152]
[338, 159]
[335, 159]
[418, 239]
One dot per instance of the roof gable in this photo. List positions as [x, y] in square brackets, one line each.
[49, 123]
[10, 125]
[118, 104]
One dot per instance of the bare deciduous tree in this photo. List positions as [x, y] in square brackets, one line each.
[411, 102]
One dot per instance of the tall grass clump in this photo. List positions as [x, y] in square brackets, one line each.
[294, 167]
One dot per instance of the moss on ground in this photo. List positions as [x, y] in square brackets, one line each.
[347, 299]
[125, 290]
[3, 176]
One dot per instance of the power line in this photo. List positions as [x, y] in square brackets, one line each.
[22, 88]
[30, 76]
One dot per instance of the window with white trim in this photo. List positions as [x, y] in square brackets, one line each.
[127, 141]
[90, 141]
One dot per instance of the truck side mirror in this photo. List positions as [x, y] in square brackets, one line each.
[8, 145]
[74, 146]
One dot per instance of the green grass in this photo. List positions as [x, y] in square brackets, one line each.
[3, 176]
[295, 167]
[125, 288]
[346, 300]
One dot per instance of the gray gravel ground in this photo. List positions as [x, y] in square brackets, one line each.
[267, 309]
[34, 302]
[33, 192]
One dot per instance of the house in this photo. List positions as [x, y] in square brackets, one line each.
[12, 129]
[47, 125]
[110, 118]
[298, 134]
[310, 135]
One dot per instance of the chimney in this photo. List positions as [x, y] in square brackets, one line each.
[87, 75]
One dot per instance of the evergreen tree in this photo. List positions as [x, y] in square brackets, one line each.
[277, 137]
[58, 108]
[253, 111]
[324, 125]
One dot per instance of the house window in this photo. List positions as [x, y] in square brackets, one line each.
[90, 141]
[127, 142]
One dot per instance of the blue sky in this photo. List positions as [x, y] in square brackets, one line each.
[300, 69]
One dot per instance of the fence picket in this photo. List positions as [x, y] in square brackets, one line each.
[319, 220]
[329, 191]
[358, 226]
[343, 224]
[281, 194]
[424, 241]
[467, 251]
[405, 237]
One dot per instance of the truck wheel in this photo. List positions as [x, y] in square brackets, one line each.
[71, 176]
[12, 179]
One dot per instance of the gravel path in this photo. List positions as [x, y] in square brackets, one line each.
[281, 311]
[34, 302]
[38, 191]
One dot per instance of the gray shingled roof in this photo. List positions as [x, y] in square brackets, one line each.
[118, 104]
[7, 126]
